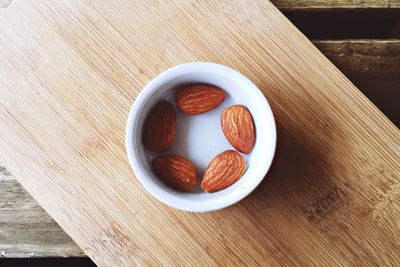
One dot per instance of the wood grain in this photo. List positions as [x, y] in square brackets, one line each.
[364, 59]
[334, 4]
[26, 230]
[313, 4]
[373, 64]
[71, 71]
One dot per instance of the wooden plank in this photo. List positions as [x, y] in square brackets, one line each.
[26, 230]
[71, 72]
[365, 59]
[373, 64]
[314, 4]
[335, 4]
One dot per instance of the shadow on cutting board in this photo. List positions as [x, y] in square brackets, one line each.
[300, 176]
[306, 177]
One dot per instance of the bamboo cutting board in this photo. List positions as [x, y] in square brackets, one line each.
[69, 73]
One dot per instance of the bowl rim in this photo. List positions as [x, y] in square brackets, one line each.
[174, 201]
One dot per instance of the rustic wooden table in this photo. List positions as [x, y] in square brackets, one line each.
[371, 61]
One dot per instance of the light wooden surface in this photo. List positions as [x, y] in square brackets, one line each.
[375, 64]
[313, 4]
[71, 71]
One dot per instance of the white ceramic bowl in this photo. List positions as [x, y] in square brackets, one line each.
[199, 138]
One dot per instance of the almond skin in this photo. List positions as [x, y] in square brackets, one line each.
[193, 99]
[176, 171]
[224, 170]
[160, 127]
[238, 127]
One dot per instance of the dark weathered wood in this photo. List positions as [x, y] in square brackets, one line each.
[364, 59]
[330, 4]
[26, 230]
[373, 66]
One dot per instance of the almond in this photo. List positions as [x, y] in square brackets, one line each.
[238, 127]
[176, 171]
[224, 170]
[160, 127]
[193, 99]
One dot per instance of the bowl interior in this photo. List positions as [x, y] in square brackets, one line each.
[199, 138]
